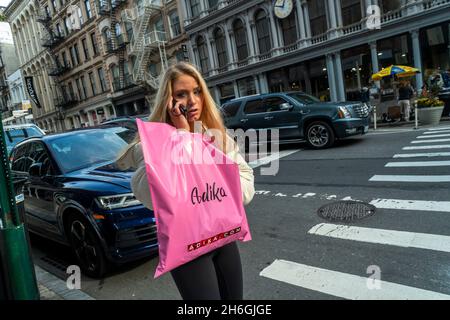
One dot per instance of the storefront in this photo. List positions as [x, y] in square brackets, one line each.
[357, 71]
[309, 76]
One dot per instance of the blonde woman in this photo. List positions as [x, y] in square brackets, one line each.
[218, 274]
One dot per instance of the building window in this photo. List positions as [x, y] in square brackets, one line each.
[389, 5]
[92, 82]
[71, 93]
[67, 25]
[246, 86]
[395, 50]
[94, 43]
[241, 40]
[54, 6]
[47, 11]
[195, 8]
[80, 16]
[87, 5]
[64, 59]
[159, 28]
[203, 54]
[59, 30]
[72, 56]
[221, 48]
[174, 24]
[317, 17]
[80, 92]
[212, 3]
[435, 47]
[101, 76]
[129, 30]
[85, 49]
[115, 73]
[77, 55]
[289, 29]
[83, 85]
[351, 11]
[357, 70]
[262, 31]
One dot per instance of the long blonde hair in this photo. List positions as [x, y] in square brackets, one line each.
[210, 116]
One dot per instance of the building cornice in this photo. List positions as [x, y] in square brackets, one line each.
[11, 8]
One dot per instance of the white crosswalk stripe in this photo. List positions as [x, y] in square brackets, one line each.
[437, 132]
[344, 285]
[418, 164]
[430, 141]
[411, 178]
[424, 155]
[442, 146]
[437, 129]
[433, 136]
[382, 236]
[419, 205]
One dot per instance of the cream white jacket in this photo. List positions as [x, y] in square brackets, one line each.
[134, 159]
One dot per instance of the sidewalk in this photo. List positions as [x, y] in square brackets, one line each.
[53, 288]
[406, 124]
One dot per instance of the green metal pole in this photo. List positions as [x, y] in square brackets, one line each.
[19, 267]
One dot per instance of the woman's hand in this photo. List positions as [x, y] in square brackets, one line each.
[178, 119]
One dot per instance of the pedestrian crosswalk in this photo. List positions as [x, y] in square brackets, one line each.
[352, 286]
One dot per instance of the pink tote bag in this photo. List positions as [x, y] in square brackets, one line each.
[196, 194]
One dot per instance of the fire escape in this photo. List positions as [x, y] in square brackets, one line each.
[144, 43]
[63, 99]
[116, 44]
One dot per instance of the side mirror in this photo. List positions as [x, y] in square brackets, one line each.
[35, 170]
[286, 106]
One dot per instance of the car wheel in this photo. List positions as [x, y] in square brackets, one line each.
[319, 135]
[86, 247]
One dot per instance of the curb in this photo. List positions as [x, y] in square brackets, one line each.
[53, 288]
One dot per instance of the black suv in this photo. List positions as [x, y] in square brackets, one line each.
[298, 116]
[75, 195]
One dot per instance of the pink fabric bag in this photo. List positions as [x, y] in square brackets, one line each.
[196, 194]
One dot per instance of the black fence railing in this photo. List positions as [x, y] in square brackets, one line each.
[65, 101]
[57, 70]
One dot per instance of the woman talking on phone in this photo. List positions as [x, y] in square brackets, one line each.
[182, 99]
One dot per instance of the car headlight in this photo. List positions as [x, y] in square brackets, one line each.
[344, 113]
[118, 201]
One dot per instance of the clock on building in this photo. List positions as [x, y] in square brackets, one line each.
[283, 8]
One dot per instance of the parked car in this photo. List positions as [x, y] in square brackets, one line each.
[76, 196]
[18, 132]
[126, 121]
[298, 116]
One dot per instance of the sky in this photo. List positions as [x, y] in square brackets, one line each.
[4, 3]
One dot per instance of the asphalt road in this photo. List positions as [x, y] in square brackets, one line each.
[405, 244]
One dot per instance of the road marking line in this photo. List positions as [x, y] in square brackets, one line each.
[442, 146]
[343, 285]
[416, 205]
[382, 236]
[418, 164]
[433, 136]
[428, 141]
[415, 155]
[410, 178]
[441, 128]
[437, 132]
[272, 157]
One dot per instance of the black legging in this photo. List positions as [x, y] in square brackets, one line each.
[213, 276]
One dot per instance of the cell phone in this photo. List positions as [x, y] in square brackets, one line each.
[183, 109]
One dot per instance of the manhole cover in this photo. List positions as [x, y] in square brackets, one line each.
[346, 211]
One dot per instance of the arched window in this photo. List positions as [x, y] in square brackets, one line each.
[289, 29]
[262, 30]
[241, 40]
[221, 48]
[195, 8]
[203, 54]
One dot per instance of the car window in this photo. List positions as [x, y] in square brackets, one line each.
[15, 135]
[254, 106]
[19, 157]
[304, 98]
[230, 110]
[85, 148]
[273, 103]
[38, 154]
